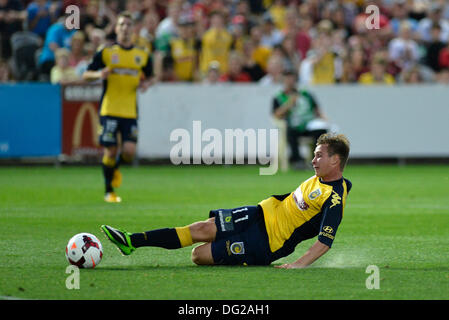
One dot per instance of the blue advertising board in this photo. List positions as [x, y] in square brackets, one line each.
[30, 120]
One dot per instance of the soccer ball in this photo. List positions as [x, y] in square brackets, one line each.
[84, 250]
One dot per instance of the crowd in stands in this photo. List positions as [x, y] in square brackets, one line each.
[210, 41]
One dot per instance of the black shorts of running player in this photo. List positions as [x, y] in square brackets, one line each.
[110, 126]
[241, 237]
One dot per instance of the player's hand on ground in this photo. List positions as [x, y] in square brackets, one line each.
[284, 266]
[290, 266]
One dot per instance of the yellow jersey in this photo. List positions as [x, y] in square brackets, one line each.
[127, 67]
[185, 55]
[367, 78]
[324, 70]
[315, 208]
[215, 45]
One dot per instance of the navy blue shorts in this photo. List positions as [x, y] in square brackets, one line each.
[241, 237]
[111, 126]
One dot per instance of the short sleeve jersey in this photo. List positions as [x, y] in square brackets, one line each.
[315, 208]
[128, 66]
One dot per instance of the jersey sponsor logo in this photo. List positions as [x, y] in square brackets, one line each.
[301, 204]
[327, 235]
[237, 248]
[328, 229]
[336, 199]
[225, 218]
[125, 71]
[315, 194]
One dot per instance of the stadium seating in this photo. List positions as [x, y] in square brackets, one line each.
[24, 45]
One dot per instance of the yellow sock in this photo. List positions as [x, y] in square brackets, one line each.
[185, 238]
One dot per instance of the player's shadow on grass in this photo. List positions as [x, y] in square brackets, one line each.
[272, 267]
[177, 267]
[142, 268]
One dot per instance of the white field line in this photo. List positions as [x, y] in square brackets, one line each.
[13, 298]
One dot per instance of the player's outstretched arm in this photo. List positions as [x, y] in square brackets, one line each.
[91, 75]
[315, 252]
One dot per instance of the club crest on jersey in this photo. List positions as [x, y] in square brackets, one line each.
[138, 60]
[303, 205]
[114, 58]
[238, 248]
[315, 194]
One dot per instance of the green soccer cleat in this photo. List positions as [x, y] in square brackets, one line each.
[120, 238]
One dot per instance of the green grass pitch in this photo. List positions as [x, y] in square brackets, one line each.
[396, 218]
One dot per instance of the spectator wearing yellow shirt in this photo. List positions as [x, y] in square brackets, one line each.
[260, 54]
[324, 66]
[215, 44]
[278, 11]
[378, 73]
[184, 50]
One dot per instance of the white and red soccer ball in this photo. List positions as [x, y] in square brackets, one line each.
[84, 250]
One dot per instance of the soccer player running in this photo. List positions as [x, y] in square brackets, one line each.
[123, 68]
[259, 235]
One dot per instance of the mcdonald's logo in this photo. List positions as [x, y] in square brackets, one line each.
[87, 108]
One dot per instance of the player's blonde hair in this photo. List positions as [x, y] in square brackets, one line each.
[337, 144]
[126, 14]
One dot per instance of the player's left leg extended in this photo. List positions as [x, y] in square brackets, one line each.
[168, 238]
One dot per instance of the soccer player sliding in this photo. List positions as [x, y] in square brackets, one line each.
[261, 234]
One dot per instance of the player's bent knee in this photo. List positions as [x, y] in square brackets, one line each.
[202, 255]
